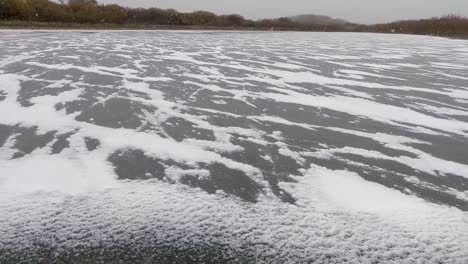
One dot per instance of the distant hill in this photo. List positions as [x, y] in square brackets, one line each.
[311, 19]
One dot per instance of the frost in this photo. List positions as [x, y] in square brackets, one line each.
[297, 150]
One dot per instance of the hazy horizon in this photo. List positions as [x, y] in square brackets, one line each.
[359, 11]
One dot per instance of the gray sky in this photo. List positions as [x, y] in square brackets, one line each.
[362, 11]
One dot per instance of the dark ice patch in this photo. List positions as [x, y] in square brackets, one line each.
[87, 99]
[340, 140]
[32, 89]
[18, 155]
[323, 117]
[111, 79]
[276, 169]
[388, 165]
[221, 120]
[91, 143]
[447, 148]
[28, 140]
[462, 119]
[61, 143]
[3, 95]
[75, 106]
[180, 129]
[231, 181]
[5, 133]
[204, 99]
[307, 139]
[134, 164]
[172, 91]
[116, 113]
[55, 75]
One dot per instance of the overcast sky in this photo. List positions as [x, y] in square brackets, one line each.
[362, 11]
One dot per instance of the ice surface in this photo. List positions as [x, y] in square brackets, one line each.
[233, 146]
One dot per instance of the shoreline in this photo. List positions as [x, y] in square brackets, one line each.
[38, 26]
[78, 26]
[206, 30]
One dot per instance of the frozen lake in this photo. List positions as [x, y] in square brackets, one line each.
[236, 147]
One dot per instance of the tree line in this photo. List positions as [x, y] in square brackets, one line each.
[450, 25]
[91, 12]
[77, 11]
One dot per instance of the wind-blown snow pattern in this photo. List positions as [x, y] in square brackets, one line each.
[232, 147]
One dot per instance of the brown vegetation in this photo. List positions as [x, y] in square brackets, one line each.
[450, 25]
[88, 12]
